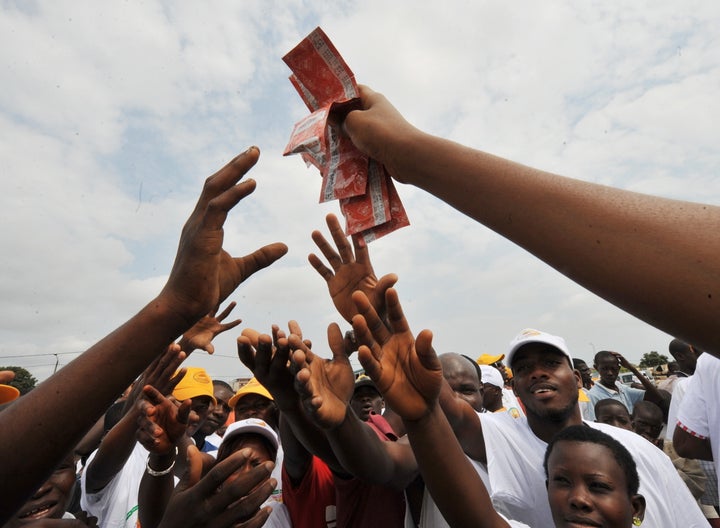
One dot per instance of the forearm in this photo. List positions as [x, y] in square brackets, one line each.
[462, 498]
[53, 417]
[312, 438]
[155, 490]
[113, 453]
[296, 459]
[464, 422]
[362, 453]
[650, 256]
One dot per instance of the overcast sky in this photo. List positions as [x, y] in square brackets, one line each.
[113, 113]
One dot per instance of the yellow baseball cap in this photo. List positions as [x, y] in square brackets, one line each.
[251, 387]
[196, 382]
[487, 359]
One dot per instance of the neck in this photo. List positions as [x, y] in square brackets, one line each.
[609, 385]
[545, 427]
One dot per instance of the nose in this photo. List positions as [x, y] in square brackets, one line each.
[579, 499]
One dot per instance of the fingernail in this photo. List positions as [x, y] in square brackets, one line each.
[250, 149]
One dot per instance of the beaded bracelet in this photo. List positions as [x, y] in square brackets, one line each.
[162, 473]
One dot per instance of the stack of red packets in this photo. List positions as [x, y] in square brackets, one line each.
[368, 198]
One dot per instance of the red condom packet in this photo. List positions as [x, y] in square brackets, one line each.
[368, 198]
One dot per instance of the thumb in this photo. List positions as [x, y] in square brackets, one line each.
[193, 469]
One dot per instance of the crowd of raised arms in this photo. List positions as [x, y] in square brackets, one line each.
[522, 438]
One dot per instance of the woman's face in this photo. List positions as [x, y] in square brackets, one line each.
[587, 487]
[51, 499]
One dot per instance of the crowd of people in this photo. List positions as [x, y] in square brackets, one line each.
[522, 437]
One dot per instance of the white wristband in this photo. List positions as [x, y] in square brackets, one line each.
[162, 473]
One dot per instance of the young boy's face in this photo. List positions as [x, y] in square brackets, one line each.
[51, 499]
[587, 487]
[615, 415]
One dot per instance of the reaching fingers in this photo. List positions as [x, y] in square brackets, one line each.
[183, 414]
[325, 272]
[370, 363]
[152, 395]
[425, 352]
[336, 341]
[397, 320]
[371, 319]
[226, 311]
[261, 258]
[341, 241]
[246, 352]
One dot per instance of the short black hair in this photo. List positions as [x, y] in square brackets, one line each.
[587, 434]
[577, 362]
[604, 354]
[609, 402]
[223, 384]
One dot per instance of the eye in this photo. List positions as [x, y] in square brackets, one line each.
[599, 486]
[560, 481]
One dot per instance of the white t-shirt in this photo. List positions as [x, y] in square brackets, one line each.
[698, 413]
[517, 478]
[116, 505]
[679, 390]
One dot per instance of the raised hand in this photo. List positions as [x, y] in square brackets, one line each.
[200, 336]
[406, 371]
[204, 274]
[350, 271]
[226, 497]
[325, 385]
[162, 423]
[6, 376]
[269, 364]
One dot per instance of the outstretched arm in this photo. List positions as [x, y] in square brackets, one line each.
[652, 394]
[652, 257]
[268, 359]
[409, 375]
[65, 405]
[326, 387]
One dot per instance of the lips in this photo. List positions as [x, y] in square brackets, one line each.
[542, 389]
[581, 522]
[38, 511]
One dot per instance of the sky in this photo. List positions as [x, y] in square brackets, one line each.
[112, 114]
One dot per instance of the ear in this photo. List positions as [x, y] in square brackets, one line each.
[638, 505]
[578, 379]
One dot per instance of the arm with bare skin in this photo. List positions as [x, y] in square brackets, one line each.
[409, 375]
[600, 237]
[66, 405]
[268, 359]
[326, 387]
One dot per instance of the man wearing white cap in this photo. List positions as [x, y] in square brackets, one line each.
[493, 385]
[547, 384]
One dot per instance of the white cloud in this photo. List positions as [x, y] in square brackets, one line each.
[112, 115]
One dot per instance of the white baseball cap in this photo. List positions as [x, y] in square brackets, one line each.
[250, 425]
[492, 376]
[530, 335]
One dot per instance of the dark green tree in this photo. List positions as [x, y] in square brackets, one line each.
[24, 381]
[652, 359]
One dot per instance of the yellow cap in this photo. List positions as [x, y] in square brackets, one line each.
[487, 359]
[196, 382]
[251, 387]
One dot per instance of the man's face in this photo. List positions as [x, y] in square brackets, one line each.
[646, 424]
[609, 369]
[492, 397]
[200, 408]
[219, 413]
[366, 400]
[256, 406]
[463, 380]
[545, 382]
